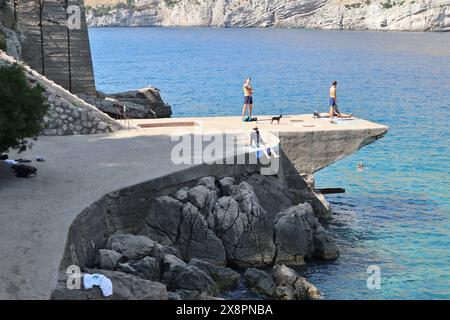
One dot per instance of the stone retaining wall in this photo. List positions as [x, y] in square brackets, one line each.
[68, 114]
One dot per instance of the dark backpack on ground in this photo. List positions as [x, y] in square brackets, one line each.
[24, 171]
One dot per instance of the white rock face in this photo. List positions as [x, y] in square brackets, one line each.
[404, 15]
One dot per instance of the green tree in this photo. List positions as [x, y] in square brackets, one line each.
[22, 108]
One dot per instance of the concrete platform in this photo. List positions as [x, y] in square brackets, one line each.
[35, 213]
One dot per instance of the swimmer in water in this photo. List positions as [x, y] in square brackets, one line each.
[360, 166]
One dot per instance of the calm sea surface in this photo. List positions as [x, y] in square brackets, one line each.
[396, 212]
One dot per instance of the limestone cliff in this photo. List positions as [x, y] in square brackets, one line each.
[404, 15]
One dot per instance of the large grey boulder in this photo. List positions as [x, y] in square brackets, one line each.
[281, 283]
[131, 246]
[108, 259]
[179, 275]
[181, 195]
[294, 229]
[283, 275]
[290, 286]
[273, 194]
[260, 281]
[204, 198]
[209, 182]
[225, 278]
[225, 185]
[251, 228]
[245, 228]
[298, 234]
[125, 287]
[183, 226]
[159, 251]
[144, 103]
[146, 268]
[163, 220]
[196, 240]
[130, 287]
[199, 196]
[305, 290]
[324, 245]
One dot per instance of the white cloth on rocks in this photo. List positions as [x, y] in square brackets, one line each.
[10, 162]
[100, 280]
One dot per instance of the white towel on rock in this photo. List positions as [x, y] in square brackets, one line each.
[100, 280]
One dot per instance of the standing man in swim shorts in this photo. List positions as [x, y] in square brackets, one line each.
[248, 97]
[334, 111]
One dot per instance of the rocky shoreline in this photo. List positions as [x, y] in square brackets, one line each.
[380, 15]
[202, 241]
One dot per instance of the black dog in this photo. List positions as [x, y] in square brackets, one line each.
[276, 119]
[24, 171]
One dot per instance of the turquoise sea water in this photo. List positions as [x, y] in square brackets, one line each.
[395, 213]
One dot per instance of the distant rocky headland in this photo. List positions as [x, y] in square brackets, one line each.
[383, 15]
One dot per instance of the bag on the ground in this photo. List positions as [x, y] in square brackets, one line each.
[24, 171]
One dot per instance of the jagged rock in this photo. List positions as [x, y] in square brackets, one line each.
[173, 223]
[159, 251]
[179, 275]
[294, 229]
[229, 223]
[182, 194]
[285, 292]
[225, 278]
[198, 196]
[130, 287]
[195, 239]
[272, 193]
[291, 286]
[260, 281]
[63, 293]
[146, 268]
[163, 220]
[204, 199]
[125, 287]
[143, 103]
[250, 230]
[225, 184]
[108, 259]
[324, 245]
[245, 228]
[298, 234]
[131, 246]
[304, 289]
[283, 275]
[209, 182]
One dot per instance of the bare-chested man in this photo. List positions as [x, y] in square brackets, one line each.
[334, 111]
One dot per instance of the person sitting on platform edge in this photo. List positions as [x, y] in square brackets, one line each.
[257, 142]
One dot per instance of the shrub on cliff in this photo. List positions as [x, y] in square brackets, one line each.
[22, 108]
